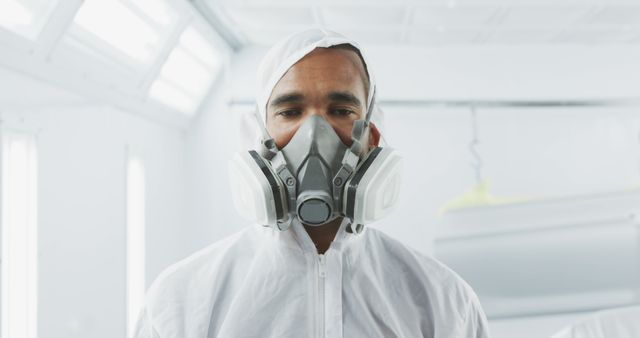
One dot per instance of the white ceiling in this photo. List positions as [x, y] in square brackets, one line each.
[441, 22]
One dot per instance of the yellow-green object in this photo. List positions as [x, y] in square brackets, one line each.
[478, 196]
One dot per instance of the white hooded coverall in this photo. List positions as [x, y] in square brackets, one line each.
[262, 282]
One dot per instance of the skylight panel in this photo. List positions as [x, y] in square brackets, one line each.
[25, 17]
[136, 28]
[185, 71]
[188, 73]
[158, 11]
[194, 42]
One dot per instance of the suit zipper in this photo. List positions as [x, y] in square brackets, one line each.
[322, 272]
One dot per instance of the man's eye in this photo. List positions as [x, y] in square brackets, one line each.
[289, 113]
[343, 112]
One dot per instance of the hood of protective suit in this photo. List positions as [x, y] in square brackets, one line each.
[292, 49]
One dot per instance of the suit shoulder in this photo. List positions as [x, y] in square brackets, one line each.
[206, 261]
[425, 269]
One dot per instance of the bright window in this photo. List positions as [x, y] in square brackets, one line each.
[135, 28]
[188, 73]
[25, 17]
[19, 235]
[135, 240]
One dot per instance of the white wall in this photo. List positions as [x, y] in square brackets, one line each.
[210, 141]
[485, 72]
[81, 157]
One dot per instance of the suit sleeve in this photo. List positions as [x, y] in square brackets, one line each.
[144, 326]
[475, 324]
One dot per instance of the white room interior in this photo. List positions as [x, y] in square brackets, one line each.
[536, 102]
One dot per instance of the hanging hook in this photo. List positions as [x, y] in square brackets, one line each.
[477, 164]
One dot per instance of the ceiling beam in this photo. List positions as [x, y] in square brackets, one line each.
[219, 24]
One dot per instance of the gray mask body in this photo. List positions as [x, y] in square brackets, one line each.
[314, 156]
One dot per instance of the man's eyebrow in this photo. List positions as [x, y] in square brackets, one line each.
[344, 97]
[294, 97]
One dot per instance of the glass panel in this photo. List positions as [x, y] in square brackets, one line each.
[25, 17]
[195, 43]
[19, 236]
[135, 240]
[157, 11]
[182, 69]
[188, 72]
[139, 30]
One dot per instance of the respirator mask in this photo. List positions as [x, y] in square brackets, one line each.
[316, 178]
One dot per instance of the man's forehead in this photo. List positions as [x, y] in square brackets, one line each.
[336, 66]
[349, 56]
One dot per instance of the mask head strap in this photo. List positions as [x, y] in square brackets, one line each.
[271, 152]
[269, 147]
[370, 108]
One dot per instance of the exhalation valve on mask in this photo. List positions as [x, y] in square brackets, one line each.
[316, 178]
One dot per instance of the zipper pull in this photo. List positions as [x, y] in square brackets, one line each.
[322, 271]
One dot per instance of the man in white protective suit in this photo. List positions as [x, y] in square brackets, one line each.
[310, 267]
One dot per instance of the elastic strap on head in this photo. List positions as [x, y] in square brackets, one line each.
[269, 147]
[370, 108]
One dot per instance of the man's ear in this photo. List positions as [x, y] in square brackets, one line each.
[374, 135]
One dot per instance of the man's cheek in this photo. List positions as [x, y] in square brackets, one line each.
[283, 138]
[345, 135]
